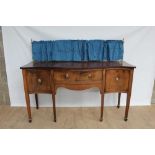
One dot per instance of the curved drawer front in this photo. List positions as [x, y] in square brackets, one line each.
[117, 80]
[84, 75]
[38, 80]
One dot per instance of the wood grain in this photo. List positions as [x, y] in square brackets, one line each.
[38, 81]
[117, 80]
[74, 75]
[47, 77]
[27, 98]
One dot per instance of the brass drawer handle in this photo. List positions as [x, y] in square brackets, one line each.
[67, 76]
[89, 75]
[117, 78]
[39, 81]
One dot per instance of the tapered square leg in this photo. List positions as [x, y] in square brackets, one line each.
[119, 98]
[28, 107]
[36, 98]
[127, 106]
[54, 108]
[128, 96]
[102, 106]
[27, 98]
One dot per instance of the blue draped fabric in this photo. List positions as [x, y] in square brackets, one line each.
[77, 50]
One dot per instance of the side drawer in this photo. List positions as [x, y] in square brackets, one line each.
[117, 80]
[38, 81]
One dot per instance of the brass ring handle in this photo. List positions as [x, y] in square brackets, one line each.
[39, 81]
[89, 75]
[67, 76]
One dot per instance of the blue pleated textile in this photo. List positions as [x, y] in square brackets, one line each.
[77, 50]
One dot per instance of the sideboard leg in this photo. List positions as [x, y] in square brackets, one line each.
[128, 96]
[119, 98]
[127, 106]
[36, 98]
[28, 106]
[102, 106]
[54, 109]
[27, 97]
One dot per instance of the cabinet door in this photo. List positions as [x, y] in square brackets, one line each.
[117, 80]
[38, 81]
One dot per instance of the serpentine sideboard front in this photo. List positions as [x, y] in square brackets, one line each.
[108, 77]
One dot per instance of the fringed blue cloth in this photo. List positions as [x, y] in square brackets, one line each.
[77, 50]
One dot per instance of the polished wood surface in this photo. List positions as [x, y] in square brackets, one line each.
[27, 97]
[47, 77]
[82, 75]
[128, 96]
[117, 80]
[38, 81]
[77, 65]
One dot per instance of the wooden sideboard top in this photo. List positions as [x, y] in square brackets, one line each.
[77, 65]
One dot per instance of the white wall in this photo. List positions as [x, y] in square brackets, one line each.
[139, 51]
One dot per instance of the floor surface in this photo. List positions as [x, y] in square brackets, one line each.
[83, 118]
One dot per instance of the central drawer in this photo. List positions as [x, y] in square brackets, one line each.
[80, 75]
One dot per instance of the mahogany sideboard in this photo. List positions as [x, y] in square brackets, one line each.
[107, 76]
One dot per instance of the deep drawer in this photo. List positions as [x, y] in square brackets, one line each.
[117, 80]
[38, 80]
